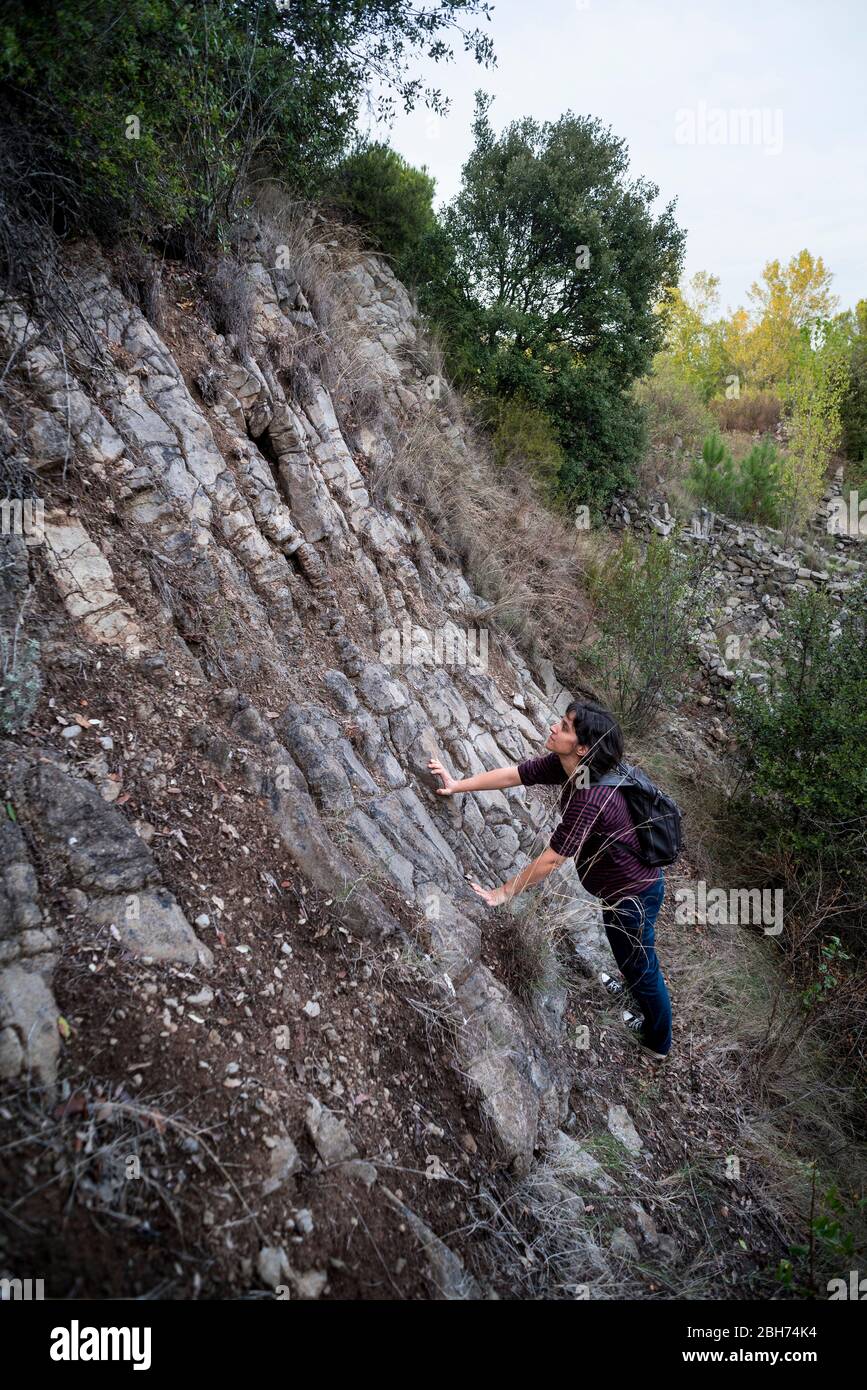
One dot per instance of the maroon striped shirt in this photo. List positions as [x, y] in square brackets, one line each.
[596, 828]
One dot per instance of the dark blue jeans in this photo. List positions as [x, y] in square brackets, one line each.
[629, 928]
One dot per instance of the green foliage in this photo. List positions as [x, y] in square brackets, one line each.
[836, 1233]
[556, 262]
[759, 484]
[153, 113]
[379, 190]
[521, 433]
[673, 408]
[805, 740]
[853, 411]
[712, 476]
[652, 600]
[814, 392]
[831, 956]
[750, 490]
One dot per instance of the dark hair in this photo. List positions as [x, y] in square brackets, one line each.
[600, 731]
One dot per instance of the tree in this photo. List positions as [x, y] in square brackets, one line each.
[814, 392]
[785, 301]
[152, 113]
[563, 260]
[854, 406]
[804, 739]
[695, 337]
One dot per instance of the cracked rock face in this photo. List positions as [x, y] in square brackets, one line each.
[94, 847]
[242, 488]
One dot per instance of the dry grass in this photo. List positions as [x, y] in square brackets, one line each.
[522, 559]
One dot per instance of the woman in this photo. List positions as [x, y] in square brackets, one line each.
[597, 830]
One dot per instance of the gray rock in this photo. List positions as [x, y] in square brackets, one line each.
[28, 1009]
[621, 1126]
[49, 439]
[330, 1136]
[152, 924]
[445, 1270]
[569, 1159]
[94, 840]
[273, 1265]
[623, 1245]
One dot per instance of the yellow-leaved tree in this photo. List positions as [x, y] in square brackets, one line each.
[783, 301]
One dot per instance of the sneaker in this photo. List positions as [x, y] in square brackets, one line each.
[635, 1028]
[614, 987]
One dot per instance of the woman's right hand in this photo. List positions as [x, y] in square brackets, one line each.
[449, 782]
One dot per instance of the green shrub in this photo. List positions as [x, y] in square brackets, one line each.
[712, 477]
[854, 409]
[759, 485]
[651, 603]
[377, 189]
[154, 114]
[805, 741]
[522, 434]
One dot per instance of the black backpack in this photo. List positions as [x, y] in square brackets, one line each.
[658, 820]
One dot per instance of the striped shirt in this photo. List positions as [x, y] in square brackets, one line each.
[596, 828]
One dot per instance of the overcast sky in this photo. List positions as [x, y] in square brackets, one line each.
[669, 77]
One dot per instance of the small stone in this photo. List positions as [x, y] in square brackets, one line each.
[310, 1285]
[284, 1163]
[273, 1265]
[312, 1009]
[204, 997]
[304, 1221]
[71, 731]
[203, 920]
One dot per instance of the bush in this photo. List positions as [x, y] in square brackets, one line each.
[804, 741]
[524, 435]
[803, 752]
[815, 393]
[652, 601]
[712, 476]
[759, 485]
[751, 490]
[673, 409]
[750, 412]
[603, 435]
[854, 408]
[377, 189]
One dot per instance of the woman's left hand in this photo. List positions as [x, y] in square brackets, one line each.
[494, 897]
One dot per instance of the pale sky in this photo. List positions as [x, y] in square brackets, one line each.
[669, 77]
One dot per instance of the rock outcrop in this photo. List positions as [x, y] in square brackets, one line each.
[225, 530]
